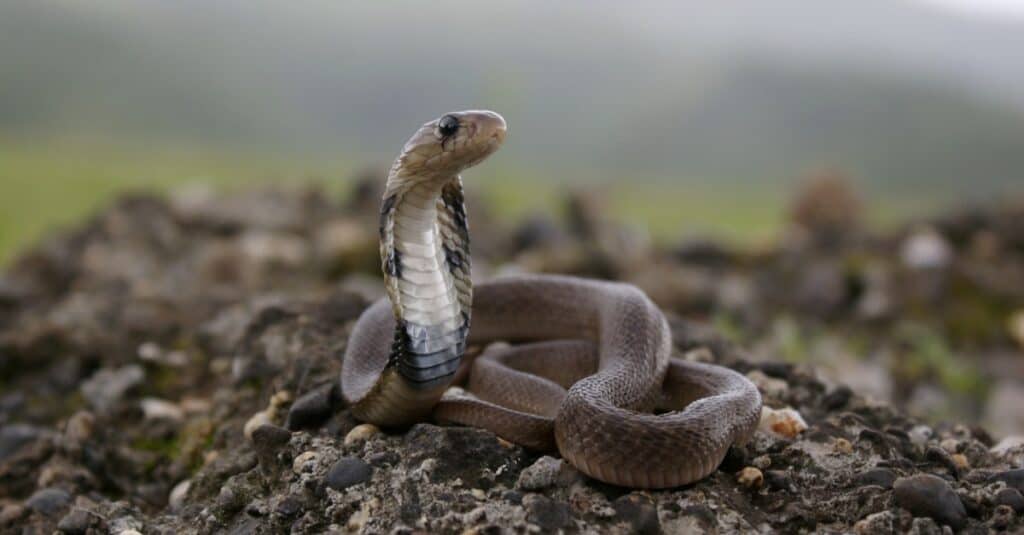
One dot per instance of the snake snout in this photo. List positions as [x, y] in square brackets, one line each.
[488, 125]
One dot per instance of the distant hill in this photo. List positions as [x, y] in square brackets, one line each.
[744, 91]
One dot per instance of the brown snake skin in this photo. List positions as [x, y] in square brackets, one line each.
[592, 364]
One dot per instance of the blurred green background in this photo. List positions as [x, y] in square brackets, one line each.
[695, 117]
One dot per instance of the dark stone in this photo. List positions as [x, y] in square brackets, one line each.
[314, 407]
[289, 506]
[938, 455]
[77, 522]
[879, 477]
[778, 370]
[837, 398]
[1012, 478]
[48, 501]
[269, 438]
[14, 436]
[639, 512]
[513, 496]
[1012, 498]
[348, 471]
[930, 496]
[778, 479]
[548, 514]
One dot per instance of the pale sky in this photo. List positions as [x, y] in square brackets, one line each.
[987, 8]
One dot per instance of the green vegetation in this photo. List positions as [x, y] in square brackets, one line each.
[50, 184]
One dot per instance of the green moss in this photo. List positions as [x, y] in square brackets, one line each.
[929, 353]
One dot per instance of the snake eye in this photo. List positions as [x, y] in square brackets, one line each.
[447, 126]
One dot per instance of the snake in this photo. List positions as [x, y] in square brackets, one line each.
[581, 366]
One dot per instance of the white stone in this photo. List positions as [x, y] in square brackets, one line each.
[785, 423]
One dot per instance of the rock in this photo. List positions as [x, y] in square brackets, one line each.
[1007, 444]
[930, 496]
[879, 477]
[926, 249]
[750, 477]
[920, 435]
[769, 386]
[14, 436]
[881, 522]
[842, 446]
[255, 421]
[153, 353]
[269, 438]
[1012, 478]
[837, 398]
[49, 501]
[639, 512]
[785, 423]
[76, 522]
[1015, 325]
[314, 407]
[546, 472]
[108, 386]
[1002, 517]
[305, 462]
[361, 433]
[11, 513]
[176, 499]
[546, 513]
[159, 409]
[1012, 498]
[348, 471]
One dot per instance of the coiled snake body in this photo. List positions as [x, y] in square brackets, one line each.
[594, 356]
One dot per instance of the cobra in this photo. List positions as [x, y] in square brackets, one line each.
[590, 361]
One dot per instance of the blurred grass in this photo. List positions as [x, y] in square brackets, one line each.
[51, 184]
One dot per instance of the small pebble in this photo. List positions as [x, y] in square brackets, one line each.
[348, 471]
[107, 387]
[313, 408]
[76, 522]
[769, 386]
[305, 462]
[920, 435]
[543, 473]
[750, 477]
[930, 496]
[1015, 325]
[176, 499]
[48, 501]
[785, 423]
[960, 460]
[841, 445]
[258, 419]
[14, 436]
[360, 433]
[159, 409]
[879, 477]
[269, 438]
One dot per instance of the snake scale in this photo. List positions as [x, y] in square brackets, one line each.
[590, 372]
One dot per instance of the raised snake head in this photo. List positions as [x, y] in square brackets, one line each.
[442, 148]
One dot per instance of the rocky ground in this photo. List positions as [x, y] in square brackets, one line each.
[170, 367]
